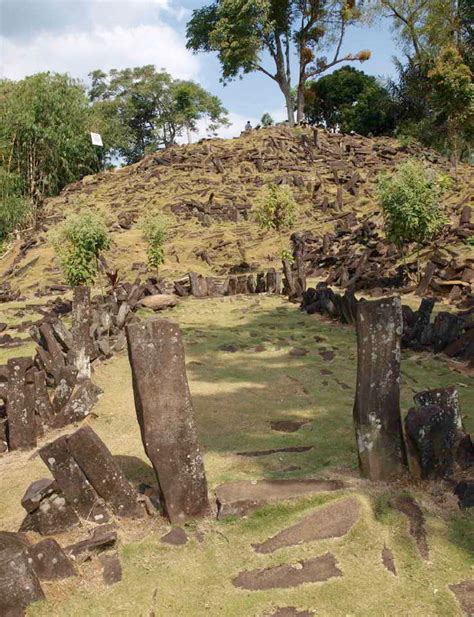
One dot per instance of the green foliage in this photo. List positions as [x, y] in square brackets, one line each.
[352, 99]
[155, 231]
[276, 208]
[15, 209]
[78, 241]
[44, 133]
[410, 204]
[266, 120]
[144, 109]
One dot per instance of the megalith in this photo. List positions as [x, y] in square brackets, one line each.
[166, 418]
[20, 407]
[81, 326]
[377, 419]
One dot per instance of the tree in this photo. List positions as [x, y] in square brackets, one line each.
[276, 210]
[44, 134]
[15, 209]
[352, 99]
[410, 201]
[243, 32]
[147, 109]
[266, 120]
[155, 230]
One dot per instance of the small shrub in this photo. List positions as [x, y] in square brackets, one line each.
[15, 210]
[276, 210]
[410, 200]
[154, 227]
[266, 120]
[78, 242]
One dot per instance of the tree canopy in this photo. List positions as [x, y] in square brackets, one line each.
[146, 109]
[243, 33]
[351, 99]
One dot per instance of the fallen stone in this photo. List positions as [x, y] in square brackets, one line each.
[166, 418]
[464, 491]
[298, 353]
[464, 593]
[243, 496]
[327, 355]
[175, 537]
[159, 302]
[288, 426]
[284, 576]
[71, 480]
[290, 611]
[38, 490]
[53, 516]
[332, 521]
[49, 561]
[80, 404]
[296, 449]
[388, 560]
[111, 568]
[103, 473]
[408, 506]
[19, 585]
[101, 537]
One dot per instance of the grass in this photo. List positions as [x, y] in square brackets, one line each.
[235, 396]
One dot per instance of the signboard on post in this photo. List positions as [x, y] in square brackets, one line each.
[96, 139]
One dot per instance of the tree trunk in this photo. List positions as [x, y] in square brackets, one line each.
[300, 99]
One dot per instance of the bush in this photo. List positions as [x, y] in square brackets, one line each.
[410, 200]
[276, 209]
[15, 210]
[155, 226]
[78, 242]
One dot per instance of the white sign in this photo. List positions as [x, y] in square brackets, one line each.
[96, 139]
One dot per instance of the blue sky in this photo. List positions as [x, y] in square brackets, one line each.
[77, 36]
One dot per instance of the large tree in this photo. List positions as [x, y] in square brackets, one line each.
[147, 109]
[262, 35]
[352, 99]
[44, 134]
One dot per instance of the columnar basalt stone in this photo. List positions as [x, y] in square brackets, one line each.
[103, 473]
[198, 285]
[377, 420]
[431, 435]
[289, 284]
[232, 286]
[273, 281]
[242, 284]
[49, 561]
[53, 515]
[19, 585]
[20, 411]
[81, 325]
[165, 414]
[43, 406]
[261, 285]
[80, 403]
[71, 480]
[65, 382]
[251, 283]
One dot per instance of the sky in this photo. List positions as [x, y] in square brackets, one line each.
[78, 36]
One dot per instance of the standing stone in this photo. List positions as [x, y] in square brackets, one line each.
[198, 285]
[72, 481]
[81, 324]
[289, 282]
[261, 285]
[251, 283]
[43, 407]
[377, 418]
[20, 412]
[273, 281]
[232, 286]
[103, 473]
[165, 414]
[242, 284]
[3, 435]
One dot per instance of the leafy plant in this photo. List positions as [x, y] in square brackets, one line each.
[410, 200]
[267, 120]
[276, 210]
[155, 231]
[15, 210]
[78, 242]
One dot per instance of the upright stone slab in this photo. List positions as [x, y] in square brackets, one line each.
[165, 414]
[72, 481]
[81, 324]
[43, 407]
[377, 420]
[106, 477]
[20, 411]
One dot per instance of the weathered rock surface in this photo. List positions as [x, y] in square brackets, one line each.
[409, 507]
[103, 536]
[166, 418]
[331, 521]
[19, 585]
[103, 473]
[289, 575]
[159, 302]
[464, 593]
[111, 568]
[243, 496]
[49, 561]
[20, 411]
[388, 560]
[175, 537]
[377, 419]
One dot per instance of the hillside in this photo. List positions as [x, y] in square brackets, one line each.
[209, 188]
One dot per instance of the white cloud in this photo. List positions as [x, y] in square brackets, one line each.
[78, 53]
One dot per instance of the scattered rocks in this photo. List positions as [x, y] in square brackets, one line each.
[331, 521]
[285, 576]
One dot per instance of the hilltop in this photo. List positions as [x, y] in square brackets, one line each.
[209, 188]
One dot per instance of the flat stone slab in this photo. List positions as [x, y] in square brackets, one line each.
[243, 496]
[111, 568]
[295, 449]
[408, 506]
[331, 521]
[102, 536]
[388, 560]
[49, 561]
[288, 426]
[286, 575]
[464, 593]
[176, 537]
